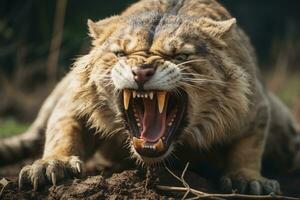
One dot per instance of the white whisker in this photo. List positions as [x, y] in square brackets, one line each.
[190, 61]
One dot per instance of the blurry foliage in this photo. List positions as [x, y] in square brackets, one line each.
[11, 127]
[291, 89]
[266, 21]
[26, 26]
[286, 88]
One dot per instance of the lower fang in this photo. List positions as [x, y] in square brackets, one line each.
[138, 124]
[159, 146]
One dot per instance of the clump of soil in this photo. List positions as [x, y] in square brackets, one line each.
[125, 185]
[129, 184]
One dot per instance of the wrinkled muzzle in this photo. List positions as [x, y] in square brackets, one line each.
[152, 105]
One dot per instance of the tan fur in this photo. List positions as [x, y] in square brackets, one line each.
[228, 105]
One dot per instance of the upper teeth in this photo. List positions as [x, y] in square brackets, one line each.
[161, 96]
[142, 94]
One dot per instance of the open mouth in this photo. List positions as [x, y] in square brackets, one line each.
[154, 118]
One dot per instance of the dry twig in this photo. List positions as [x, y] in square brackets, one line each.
[56, 41]
[202, 195]
[4, 183]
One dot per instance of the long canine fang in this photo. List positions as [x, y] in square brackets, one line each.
[161, 97]
[126, 98]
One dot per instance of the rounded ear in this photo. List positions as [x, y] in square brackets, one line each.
[216, 28]
[102, 29]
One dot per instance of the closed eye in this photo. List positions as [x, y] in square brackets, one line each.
[181, 57]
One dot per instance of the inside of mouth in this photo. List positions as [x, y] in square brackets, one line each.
[151, 122]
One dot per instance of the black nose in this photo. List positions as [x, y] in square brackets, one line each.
[142, 74]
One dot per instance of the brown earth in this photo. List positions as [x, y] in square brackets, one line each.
[129, 184]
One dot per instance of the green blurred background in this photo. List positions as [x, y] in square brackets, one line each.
[37, 36]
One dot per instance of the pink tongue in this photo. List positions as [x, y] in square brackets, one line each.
[154, 123]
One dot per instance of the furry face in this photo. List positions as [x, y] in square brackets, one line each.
[170, 79]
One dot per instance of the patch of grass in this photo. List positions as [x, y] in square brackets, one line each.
[290, 90]
[9, 127]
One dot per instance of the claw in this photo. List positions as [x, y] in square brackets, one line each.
[35, 184]
[255, 188]
[226, 185]
[78, 167]
[243, 187]
[20, 181]
[53, 178]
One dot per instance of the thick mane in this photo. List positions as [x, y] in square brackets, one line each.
[223, 109]
[93, 103]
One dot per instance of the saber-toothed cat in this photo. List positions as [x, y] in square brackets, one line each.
[165, 77]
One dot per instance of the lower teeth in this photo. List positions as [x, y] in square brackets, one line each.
[149, 147]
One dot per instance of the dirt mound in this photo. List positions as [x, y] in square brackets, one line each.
[126, 185]
[129, 184]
